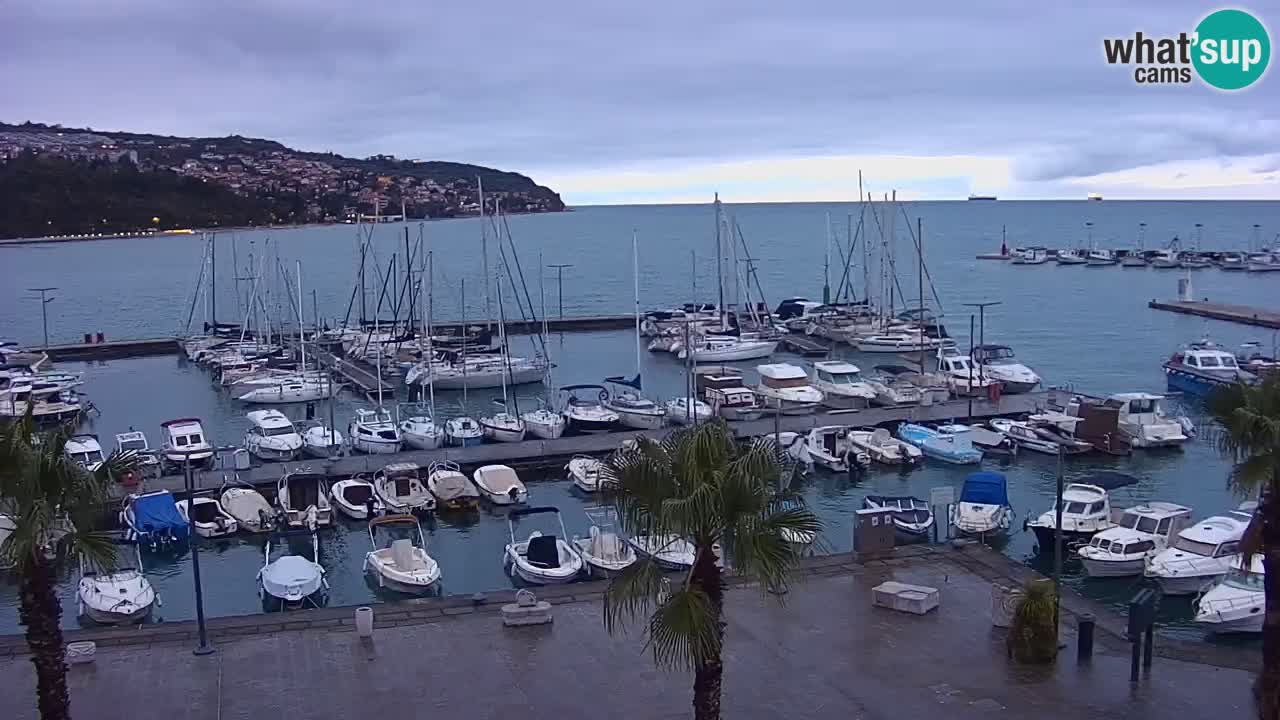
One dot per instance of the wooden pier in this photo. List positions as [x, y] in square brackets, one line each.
[1243, 314]
[359, 375]
[804, 345]
[113, 349]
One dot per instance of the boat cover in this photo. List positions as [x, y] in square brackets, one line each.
[1108, 480]
[157, 515]
[985, 488]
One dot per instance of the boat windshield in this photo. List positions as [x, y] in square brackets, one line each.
[88, 458]
[1208, 361]
[133, 445]
[185, 440]
[277, 431]
[785, 382]
[1074, 508]
[998, 355]
[1141, 523]
[838, 378]
[1194, 547]
[1245, 580]
[1228, 361]
[1142, 406]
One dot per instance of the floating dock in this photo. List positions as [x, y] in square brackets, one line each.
[1243, 314]
[804, 345]
[114, 349]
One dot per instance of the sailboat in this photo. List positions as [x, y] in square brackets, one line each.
[634, 409]
[419, 429]
[463, 430]
[503, 426]
[373, 431]
[544, 423]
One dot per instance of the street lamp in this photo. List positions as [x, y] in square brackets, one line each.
[44, 315]
[204, 648]
[982, 331]
[560, 283]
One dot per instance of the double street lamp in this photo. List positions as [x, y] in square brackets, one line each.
[204, 648]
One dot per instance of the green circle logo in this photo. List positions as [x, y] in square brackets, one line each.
[1231, 49]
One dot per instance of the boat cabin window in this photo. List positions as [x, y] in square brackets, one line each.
[1194, 547]
[1244, 580]
[1142, 406]
[1074, 508]
[1192, 361]
[785, 383]
[1165, 524]
[387, 434]
[1101, 543]
[1227, 548]
[275, 431]
[1209, 362]
[1146, 525]
[180, 441]
[87, 458]
[1228, 361]
[1097, 507]
[1137, 547]
[133, 445]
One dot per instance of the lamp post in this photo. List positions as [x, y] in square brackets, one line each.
[204, 648]
[44, 314]
[982, 332]
[560, 283]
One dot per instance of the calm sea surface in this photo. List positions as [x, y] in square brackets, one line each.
[1084, 327]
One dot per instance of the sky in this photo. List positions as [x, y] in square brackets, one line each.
[663, 101]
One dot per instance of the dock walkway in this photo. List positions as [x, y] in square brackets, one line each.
[1243, 314]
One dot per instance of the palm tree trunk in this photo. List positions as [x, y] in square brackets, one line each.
[707, 676]
[40, 612]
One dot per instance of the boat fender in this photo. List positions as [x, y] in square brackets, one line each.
[993, 392]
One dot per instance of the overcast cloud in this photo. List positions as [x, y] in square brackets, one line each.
[665, 101]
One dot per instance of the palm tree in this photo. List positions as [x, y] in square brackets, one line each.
[699, 484]
[53, 504]
[1249, 433]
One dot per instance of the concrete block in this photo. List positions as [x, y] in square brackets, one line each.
[526, 610]
[914, 599]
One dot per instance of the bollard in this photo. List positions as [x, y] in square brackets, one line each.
[364, 622]
[101, 338]
[1084, 642]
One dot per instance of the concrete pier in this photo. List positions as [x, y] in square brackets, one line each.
[1243, 314]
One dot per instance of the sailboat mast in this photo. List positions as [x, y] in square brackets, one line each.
[463, 335]
[484, 257]
[635, 281]
[213, 281]
[920, 279]
[826, 265]
[302, 340]
[506, 351]
[430, 357]
[719, 266]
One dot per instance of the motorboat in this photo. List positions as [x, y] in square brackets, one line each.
[1143, 421]
[251, 511]
[585, 472]
[152, 519]
[898, 343]
[84, 450]
[786, 388]
[463, 431]
[420, 432]
[320, 441]
[1238, 602]
[669, 552]
[1199, 555]
[830, 447]
[989, 442]
[633, 409]
[291, 580]
[1086, 511]
[588, 416]
[1045, 438]
[123, 595]
[356, 498]
[1099, 257]
[1264, 262]
[894, 390]
[1203, 367]
[983, 508]
[963, 377]
[998, 363]
[401, 564]
[932, 387]
[451, 489]
[135, 444]
[1071, 256]
[955, 448]
[185, 441]
[912, 518]
[1233, 261]
[400, 488]
[1195, 261]
[603, 551]
[303, 498]
[500, 484]
[723, 389]
[1166, 259]
[272, 436]
[882, 447]
[1030, 256]
[687, 411]
[1133, 259]
[1141, 532]
[373, 432]
[544, 423]
[207, 516]
[728, 348]
[541, 559]
[842, 385]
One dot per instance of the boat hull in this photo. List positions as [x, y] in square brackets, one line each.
[746, 351]
[1045, 536]
[845, 402]
[502, 434]
[580, 425]
[639, 420]
[1113, 568]
[489, 379]
[373, 447]
[103, 617]
[421, 441]
[544, 430]
[1185, 585]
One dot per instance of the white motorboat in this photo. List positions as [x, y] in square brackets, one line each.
[185, 441]
[786, 388]
[544, 423]
[830, 447]
[683, 411]
[272, 436]
[894, 390]
[320, 441]
[1166, 259]
[882, 447]
[135, 442]
[373, 432]
[208, 517]
[1134, 259]
[635, 410]
[503, 427]
[670, 552]
[500, 484]
[588, 416]
[983, 508]
[963, 377]
[1072, 256]
[355, 497]
[1143, 421]
[251, 511]
[897, 343]
[912, 518]
[1141, 533]
[1086, 511]
[153, 520]
[303, 498]
[1046, 439]
[541, 559]
[1101, 257]
[451, 489]
[84, 451]
[603, 551]
[463, 432]
[420, 432]
[727, 348]
[400, 488]
[401, 564]
[1238, 602]
[291, 580]
[585, 472]
[998, 362]
[841, 385]
[1199, 555]
[123, 595]
[1030, 256]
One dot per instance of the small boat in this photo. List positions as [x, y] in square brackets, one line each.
[1072, 256]
[1133, 259]
[463, 432]
[135, 442]
[1203, 367]
[963, 377]
[1097, 423]
[1166, 260]
[1030, 256]
[121, 596]
[1195, 261]
[682, 411]
[882, 447]
[373, 432]
[541, 559]
[399, 486]
[503, 427]
[185, 441]
[842, 385]
[998, 362]
[585, 471]
[670, 552]
[420, 432]
[84, 451]
[786, 387]
[356, 498]
[955, 448]
[291, 580]
[1086, 511]
[500, 485]
[294, 387]
[894, 390]
[208, 517]
[588, 416]
[452, 489]
[831, 447]
[544, 423]
[988, 441]
[320, 441]
[723, 389]
[1264, 262]
[271, 436]
[401, 564]
[1101, 258]
[303, 498]
[1042, 438]
[1233, 261]
[1238, 602]
[153, 520]
[603, 551]
[898, 343]
[912, 518]
[728, 348]
[251, 511]
[1140, 533]
[983, 508]
[1143, 421]
[1199, 555]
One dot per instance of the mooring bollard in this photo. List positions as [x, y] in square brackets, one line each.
[364, 622]
[1084, 642]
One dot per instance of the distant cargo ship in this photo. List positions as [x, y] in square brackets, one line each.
[982, 197]
[1095, 196]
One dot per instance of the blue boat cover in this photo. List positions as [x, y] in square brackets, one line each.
[157, 516]
[985, 488]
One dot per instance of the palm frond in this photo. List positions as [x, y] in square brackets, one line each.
[632, 593]
[684, 631]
